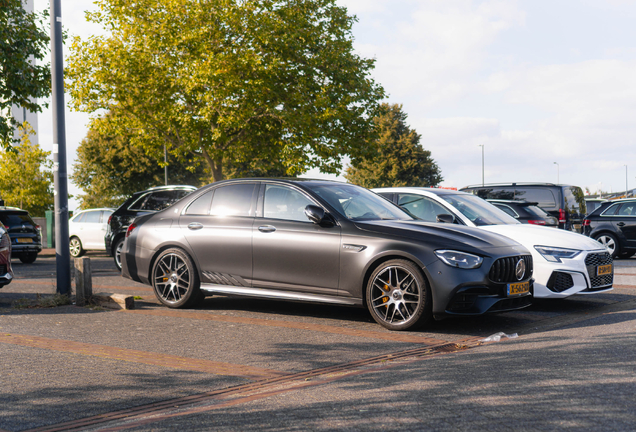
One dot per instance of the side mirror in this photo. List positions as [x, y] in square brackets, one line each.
[445, 218]
[314, 213]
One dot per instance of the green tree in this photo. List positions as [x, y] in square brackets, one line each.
[26, 177]
[23, 39]
[399, 160]
[109, 169]
[229, 81]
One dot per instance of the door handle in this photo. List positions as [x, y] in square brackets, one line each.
[621, 224]
[267, 228]
[195, 226]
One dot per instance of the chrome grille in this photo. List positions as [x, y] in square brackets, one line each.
[503, 269]
[594, 260]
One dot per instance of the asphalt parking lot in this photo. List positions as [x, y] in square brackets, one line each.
[246, 364]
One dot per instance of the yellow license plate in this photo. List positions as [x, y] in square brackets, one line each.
[518, 288]
[25, 240]
[603, 270]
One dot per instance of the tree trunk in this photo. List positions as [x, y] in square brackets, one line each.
[216, 166]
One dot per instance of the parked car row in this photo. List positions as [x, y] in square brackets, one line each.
[414, 255]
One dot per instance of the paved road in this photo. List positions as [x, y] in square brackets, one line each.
[245, 364]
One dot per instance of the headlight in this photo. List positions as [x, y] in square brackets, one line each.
[459, 259]
[554, 254]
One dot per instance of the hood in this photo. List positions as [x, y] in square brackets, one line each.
[446, 236]
[530, 236]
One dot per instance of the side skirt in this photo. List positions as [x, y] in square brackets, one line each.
[209, 288]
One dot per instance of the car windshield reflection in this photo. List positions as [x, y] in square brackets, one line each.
[358, 204]
[478, 211]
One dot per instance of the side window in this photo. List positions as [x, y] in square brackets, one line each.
[421, 207]
[507, 210]
[201, 205]
[79, 218]
[544, 197]
[105, 215]
[611, 210]
[233, 200]
[92, 217]
[627, 209]
[387, 195]
[159, 200]
[285, 203]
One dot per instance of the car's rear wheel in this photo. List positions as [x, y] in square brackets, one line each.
[175, 279]
[398, 296]
[119, 245]
[29, 258]
[610, 242]
[75, 246]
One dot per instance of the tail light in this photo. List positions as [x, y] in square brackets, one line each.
[130, 229]
[110, 218]
[586, 222]
[536, 222]
[561, 216]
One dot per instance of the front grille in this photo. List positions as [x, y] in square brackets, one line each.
[560, 281]
[592, 261]
[503, 270]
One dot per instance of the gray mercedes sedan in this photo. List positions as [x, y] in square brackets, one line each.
[325, 242]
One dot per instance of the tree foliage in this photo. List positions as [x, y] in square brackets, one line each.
[109, 169]
[26, 177]
[229, 81]
[23, 39]
[399, 160]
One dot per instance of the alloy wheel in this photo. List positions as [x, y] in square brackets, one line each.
[172, 278]
[118, 249]
[396, 296]
[75, 247]
[608, 242]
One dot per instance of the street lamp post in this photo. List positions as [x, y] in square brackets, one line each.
[482, 163]
[558, 174]
[626, 188]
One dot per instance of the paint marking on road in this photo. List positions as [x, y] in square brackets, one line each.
[145, 357]
[388, 336]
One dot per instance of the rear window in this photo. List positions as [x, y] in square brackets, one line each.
[544, 196]
[13, 219]
[159, 200]
[574, 199]
[536, 211]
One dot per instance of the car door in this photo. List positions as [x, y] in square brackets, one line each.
[91, 235]
[290, 252]
[625, 222]
[218, 227]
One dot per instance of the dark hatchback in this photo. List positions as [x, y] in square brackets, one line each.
[26, 242]
[143, 202]
[614, 225]
[526, 212]
[564, 202]
[323, 242]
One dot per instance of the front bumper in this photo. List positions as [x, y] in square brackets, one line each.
[572, 276]
[471, 292]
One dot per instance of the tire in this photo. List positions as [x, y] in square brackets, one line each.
[175, 279]
[117, 248]
[398, 296]
[28, 258]
[610, 242]
[625, 255]
[75, 246]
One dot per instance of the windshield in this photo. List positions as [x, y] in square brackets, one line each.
[358, 204]
[477, 210]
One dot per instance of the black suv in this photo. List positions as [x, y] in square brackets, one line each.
[564, 202]
[526, 212]
[26, 241]
[148, 201]
[614, 225]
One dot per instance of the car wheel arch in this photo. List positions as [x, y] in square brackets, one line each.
[165, 247]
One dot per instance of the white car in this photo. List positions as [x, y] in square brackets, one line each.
[565, 262]
[87, 230]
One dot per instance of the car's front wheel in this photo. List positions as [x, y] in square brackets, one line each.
[175, 279]
[75, 246]
[398, 296]
[610, 242]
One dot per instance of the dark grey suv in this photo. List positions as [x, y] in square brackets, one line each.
[26, 241]
[325, 242]
[143, 202]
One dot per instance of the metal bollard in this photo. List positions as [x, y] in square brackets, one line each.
[83, 280]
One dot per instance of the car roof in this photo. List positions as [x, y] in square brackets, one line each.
[530, 184]
[434, 191]
[13, 209]
[94, 209]
[514, 202]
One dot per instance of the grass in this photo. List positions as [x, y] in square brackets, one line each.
[42, 302]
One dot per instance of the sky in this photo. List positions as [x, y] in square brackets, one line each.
[534, 82]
